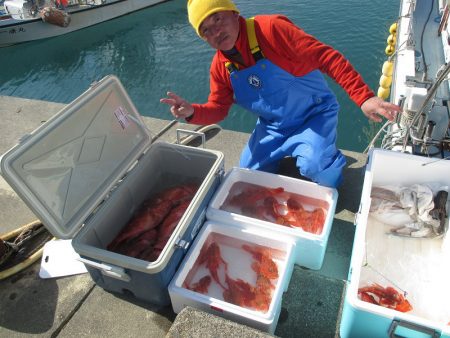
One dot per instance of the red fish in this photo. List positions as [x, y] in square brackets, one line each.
[201, 286]
[167, 227]
[179, 193]
[152, 212]
[146, 218]
[141, 244]
[252, 194]
[298, 217]
[211, 256]
[386, 297]
[239, 292]
[264, 265]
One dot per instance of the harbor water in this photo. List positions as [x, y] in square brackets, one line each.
[156, 50]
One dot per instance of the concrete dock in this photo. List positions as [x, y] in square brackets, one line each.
[73, 306]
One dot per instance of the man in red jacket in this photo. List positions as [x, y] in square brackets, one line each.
[271, 67]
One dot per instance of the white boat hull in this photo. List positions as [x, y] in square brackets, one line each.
[14, 31]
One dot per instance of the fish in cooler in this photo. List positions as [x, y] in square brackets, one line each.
[413, 211]
[251, 288]
[211, 257]
[264, 265]
[384, 296]
[148, 231]
[276, 205]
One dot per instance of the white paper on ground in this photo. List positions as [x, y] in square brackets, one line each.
[60, 259]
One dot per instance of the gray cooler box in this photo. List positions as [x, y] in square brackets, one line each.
[89, 168]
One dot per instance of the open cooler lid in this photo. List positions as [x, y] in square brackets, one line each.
[66, 167]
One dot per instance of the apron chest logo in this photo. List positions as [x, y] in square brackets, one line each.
[254, 81]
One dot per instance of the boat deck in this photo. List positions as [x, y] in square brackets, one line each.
[74, 306]
[419, 58]
[428, 43]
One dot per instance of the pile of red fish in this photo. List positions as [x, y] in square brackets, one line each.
[238, 291]
[273, 205]
[387, 297]
[151, 226]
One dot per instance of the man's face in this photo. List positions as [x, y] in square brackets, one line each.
[221, 29]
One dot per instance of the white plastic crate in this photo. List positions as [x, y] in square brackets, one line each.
[230, 239]
[417, 268]
[310, 248]
[91, 167]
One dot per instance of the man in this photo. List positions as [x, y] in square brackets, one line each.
[280, 81]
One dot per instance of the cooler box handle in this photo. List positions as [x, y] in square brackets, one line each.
[401, 328]
[184, 244]
[191, 133]
[108, 270]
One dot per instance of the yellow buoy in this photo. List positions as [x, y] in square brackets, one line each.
[389, 50]
[393, 28]
[383, 92]
[385, 81]
[388, 68]
[391, 40]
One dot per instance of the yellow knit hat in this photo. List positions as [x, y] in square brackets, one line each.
[199, 10]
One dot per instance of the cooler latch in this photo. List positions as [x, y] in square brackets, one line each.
[220, 173]
[108, 270]
[401, 328]
[182, 244]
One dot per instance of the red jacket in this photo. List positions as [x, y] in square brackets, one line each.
[288, 47]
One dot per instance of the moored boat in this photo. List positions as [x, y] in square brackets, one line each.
[389, 293]
[415, 76]
[28, 20]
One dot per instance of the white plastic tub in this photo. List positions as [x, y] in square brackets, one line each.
[230, 239]
[310, 247]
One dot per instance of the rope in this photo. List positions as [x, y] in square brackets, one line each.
[376, 137]
[21, 235]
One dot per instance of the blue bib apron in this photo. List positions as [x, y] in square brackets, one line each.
[297, 116]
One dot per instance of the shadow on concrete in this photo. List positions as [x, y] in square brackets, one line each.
[351, 187]
[338, 253]
[28, 303]
[310, 307]
[165, 311]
